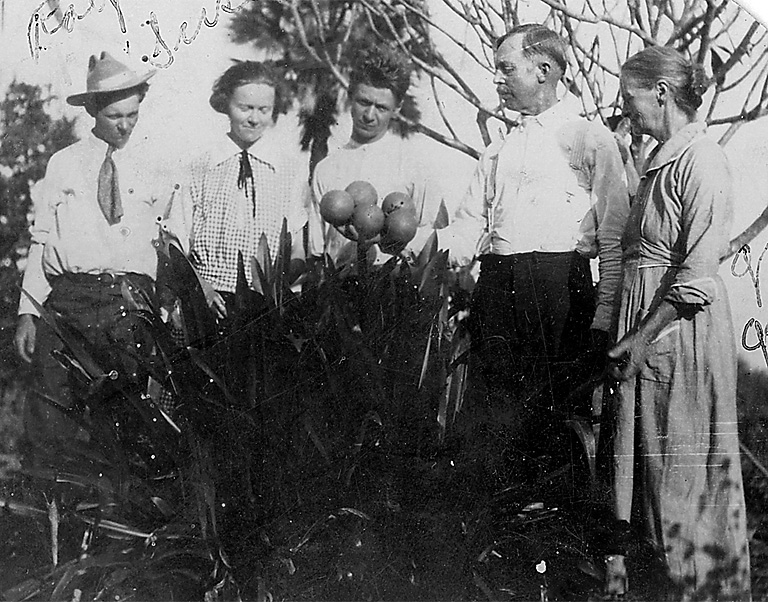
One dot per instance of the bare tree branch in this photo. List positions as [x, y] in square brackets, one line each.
[441, 138]
[605, 18]
[441, 108]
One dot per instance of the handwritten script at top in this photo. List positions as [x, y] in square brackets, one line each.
[50, 17]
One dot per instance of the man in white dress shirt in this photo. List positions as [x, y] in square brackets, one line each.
[543, 201]
[373, 153]
[96, 213]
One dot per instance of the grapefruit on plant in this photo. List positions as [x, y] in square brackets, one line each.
[363, 193]
[400, 227]
[368, 220]
[336, 207]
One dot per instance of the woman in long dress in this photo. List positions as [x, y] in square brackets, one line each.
[676, 455]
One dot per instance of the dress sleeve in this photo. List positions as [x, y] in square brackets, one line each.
[705, 185]
[192, 200]
[45, 195]
[611, 207]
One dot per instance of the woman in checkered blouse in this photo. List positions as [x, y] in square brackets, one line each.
[246, 184]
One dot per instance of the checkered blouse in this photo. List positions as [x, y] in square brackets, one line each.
[228, 219]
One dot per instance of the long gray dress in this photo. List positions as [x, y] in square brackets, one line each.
[676, 446]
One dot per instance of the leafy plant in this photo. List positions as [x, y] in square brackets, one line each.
[327, 382]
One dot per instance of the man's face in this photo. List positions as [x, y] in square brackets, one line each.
[517, 77]
[115, 122]
[372, 110]
[250, 112]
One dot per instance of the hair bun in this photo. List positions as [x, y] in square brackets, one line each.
[699, 83]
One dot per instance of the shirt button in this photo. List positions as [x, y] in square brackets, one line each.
[130, 191]
[125, 231]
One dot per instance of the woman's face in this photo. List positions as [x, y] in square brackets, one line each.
[642, 108]
[250, 112]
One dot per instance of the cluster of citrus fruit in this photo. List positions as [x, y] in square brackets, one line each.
[394, 222]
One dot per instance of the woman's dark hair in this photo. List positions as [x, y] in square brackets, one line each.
[241, 74]
[97, 102]
[538, 40]
[382, 67]
[686, 79]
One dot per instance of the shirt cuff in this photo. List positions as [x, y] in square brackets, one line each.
[26, 307]
[603, 318]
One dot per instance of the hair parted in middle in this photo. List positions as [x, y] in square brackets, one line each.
[382, 67]
[249, 72]
[539, 40]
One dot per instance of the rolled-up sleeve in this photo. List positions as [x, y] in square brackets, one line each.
[45, 195]
[462, 236]
[611, 207]
[705, 185]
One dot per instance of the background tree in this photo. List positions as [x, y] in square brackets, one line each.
[318, 41]
[29, 137]
[318, 38]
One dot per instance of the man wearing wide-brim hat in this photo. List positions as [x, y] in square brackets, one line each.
[96, 213]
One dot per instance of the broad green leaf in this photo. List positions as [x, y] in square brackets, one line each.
[199, 321]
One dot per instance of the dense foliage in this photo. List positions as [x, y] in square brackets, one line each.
[280, 429]
[29, 137]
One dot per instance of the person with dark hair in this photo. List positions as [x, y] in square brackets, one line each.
[676, 461]
[378, 85]
[96, 214]
[543, 201]
[245, 185]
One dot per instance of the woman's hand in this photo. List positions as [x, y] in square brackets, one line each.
[628, 356]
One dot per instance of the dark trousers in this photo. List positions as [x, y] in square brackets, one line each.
[92, 305]
[531, 314]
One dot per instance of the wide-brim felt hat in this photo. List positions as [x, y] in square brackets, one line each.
[107, 74]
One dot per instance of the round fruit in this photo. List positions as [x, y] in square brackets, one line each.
[409, 206]
[336, 207]
[400, 227]
[368, 220]
[394, 201]
[363, 193]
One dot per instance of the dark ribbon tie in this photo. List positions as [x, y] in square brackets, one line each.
[245, 177]
[109, 190]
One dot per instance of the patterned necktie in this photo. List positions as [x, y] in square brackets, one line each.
[109, 190]
[245, 177]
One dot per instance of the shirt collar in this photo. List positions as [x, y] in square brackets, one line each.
[136, 146]
[565, 109]
[96, 143]
[266, 149]
[385, 141]
[676, 145]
